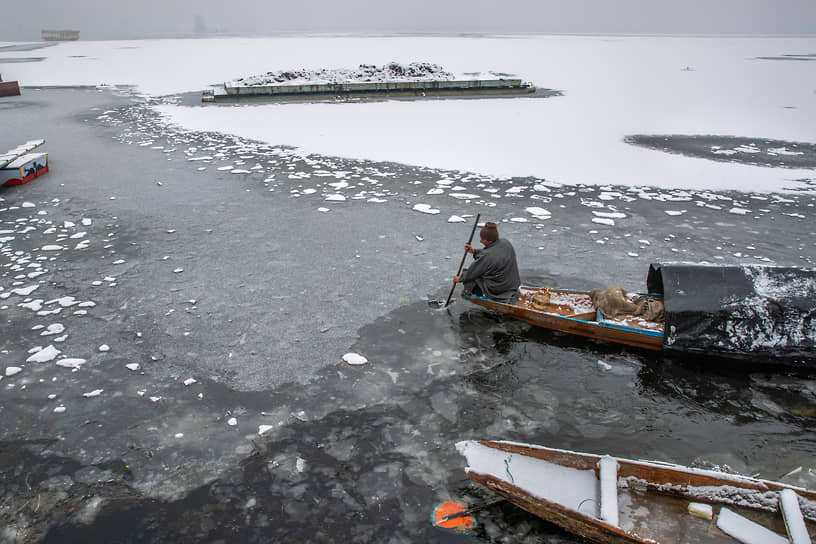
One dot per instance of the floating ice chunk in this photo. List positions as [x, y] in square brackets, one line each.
[87, 221]
[604, 221]
[94, 393]
[464, 196]
[25, 291]
[376, 200]
[240, 171]
[35, 305]
[456, 219]
[750, 148]
[539, 213]
[739, 211]
[300, 464]
[71, 362]
[178, 270]
[132, 366]
[179, 435]
[783, 151]
[59, 409]
[324, 210]
[674, 212]
[232, 422]
[52, 247]
[263, 429]
[611, 215]
[190, 381]
[27, 205]
[65, 302]
[604, 366]
[435, 192]
[119, 261]
[55, 328]
[104, 348]
[12, 370]
[354, 359]
[425, 208]
[335, 198]
[44, 355]
[518, 219]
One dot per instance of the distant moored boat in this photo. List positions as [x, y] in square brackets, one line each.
[9, 88]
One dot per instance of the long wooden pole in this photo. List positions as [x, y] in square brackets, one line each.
[461, 264]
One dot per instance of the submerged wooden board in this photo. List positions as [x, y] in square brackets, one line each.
[653, 498]
[572, 312]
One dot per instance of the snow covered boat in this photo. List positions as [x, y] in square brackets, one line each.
[613, 500]
[751, 313]
[19, 165]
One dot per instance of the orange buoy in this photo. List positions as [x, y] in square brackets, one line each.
[446, 509]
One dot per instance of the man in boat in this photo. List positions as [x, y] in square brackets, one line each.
[494, 272]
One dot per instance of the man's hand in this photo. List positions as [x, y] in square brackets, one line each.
[456, 279]
[469, 248]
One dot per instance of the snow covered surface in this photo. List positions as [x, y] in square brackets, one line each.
[608, 469]
[572, 488]
[365, 73]
[745, 530]
[612, 87]
[778, 315]
[738, 493]
[795, 523]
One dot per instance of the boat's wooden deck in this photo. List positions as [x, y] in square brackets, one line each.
[577, 305]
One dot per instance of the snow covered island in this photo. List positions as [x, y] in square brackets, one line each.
[393, 79]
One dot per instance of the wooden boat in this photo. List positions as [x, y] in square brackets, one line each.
[747, 313]
[19, 165]
[9, 88]
[572, 312]
[614, 500]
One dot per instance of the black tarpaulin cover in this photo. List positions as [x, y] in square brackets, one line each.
[760, 313]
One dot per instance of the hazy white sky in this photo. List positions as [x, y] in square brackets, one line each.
[159, 18]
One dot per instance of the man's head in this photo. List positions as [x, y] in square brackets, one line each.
[489, 233]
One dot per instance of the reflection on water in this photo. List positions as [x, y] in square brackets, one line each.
[373, 451]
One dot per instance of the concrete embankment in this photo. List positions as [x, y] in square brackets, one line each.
[372, 89]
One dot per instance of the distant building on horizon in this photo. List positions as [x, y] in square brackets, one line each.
[199, 24]
[60, 35]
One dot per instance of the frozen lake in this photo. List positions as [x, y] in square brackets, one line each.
[236, 268]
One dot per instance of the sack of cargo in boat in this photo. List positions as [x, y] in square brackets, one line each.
[541, 298]
[651, 308]
[613, 302]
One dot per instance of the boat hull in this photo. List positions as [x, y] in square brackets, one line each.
[23, 170]
[653, 498]
[584, 324]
